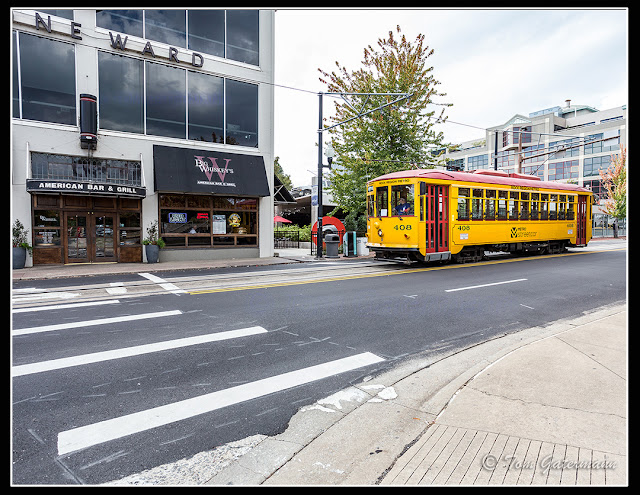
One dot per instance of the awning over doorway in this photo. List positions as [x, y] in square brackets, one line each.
[205, 171]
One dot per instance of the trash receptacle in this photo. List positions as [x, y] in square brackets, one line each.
[349, 244]
[332, 241]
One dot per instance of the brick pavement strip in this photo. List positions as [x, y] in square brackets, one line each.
[448, 455]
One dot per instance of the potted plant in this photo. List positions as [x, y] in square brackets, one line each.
[20, 245]
[153, 243]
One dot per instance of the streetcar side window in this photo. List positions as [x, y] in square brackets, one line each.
[544, 207]
[513, 205]
[476, 205]
[402, 200]
[562, 207]
[553, 207]
[571, 214]
[502, 205]
[382, 201]
[490, 205]
[535, 205]
[524, 206]
[464, 194]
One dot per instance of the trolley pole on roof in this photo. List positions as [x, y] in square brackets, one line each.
[361, 113]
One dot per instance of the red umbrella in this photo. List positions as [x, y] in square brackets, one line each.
[278, 218]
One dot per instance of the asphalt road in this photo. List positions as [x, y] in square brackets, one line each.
[261, 344]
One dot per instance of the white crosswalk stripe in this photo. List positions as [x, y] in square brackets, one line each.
[174, 289]
[112, 429]
[54, 364]
[99, 321]
[64, 306]
[79, 438]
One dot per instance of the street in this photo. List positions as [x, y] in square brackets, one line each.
[118, 374]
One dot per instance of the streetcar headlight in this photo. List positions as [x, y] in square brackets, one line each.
[380, 232]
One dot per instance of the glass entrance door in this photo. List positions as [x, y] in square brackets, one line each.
[90, 237]
[103, 235]
[76, 244]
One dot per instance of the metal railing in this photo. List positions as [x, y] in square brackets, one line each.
[314, 240]
[283, 239]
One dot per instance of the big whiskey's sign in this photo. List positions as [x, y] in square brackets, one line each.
[206, 171]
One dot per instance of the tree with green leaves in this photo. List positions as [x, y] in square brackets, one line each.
[278, 171]
[614, 181]
[397, 137]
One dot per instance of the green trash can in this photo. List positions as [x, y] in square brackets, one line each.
[349, 244]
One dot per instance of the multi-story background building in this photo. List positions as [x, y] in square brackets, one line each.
[569, 143]
[125, 118]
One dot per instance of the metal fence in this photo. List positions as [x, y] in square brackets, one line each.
[283, 239]
[602, 226]
[314, 239]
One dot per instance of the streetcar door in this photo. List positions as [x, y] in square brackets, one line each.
[581, 234]
[436, 217]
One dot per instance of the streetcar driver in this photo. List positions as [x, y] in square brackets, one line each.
[403, 207]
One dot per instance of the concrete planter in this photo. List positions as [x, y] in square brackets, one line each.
[152, 251]
[19, 257]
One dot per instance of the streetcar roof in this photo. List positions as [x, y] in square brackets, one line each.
[484, 177]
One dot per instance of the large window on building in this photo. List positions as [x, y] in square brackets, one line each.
[563, 170]
[242, 36]
[166, 107]
[565, 148]
[208, 221]
[16, 81]
[232, 34]
[47, 75]
[478, 162]
[78, 168]
[603, 142]
[122, 21]
[172, 94]
[242, 113]
[593, 165]
[206, 107]
[206, 31]
[167, 26]
[121, 82]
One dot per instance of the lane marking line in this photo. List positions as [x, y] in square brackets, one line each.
[54, 364]
[100, 321]
[486, 285]
[112, 429]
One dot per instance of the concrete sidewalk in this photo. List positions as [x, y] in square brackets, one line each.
[40, 272]
[541, 406]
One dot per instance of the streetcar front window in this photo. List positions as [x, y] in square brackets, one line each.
[402, 200]
[371, 205]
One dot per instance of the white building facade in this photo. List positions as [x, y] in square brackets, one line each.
[568, 143]
[126, 119]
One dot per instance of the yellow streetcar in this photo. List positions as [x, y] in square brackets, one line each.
[430, 215]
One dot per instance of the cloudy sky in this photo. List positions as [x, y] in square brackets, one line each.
[492, 63]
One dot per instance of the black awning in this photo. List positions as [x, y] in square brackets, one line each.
[281, 194]
[205, 171]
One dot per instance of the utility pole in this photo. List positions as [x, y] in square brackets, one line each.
[495, 151]
[361, 113]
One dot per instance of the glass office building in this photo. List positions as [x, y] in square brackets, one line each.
[125, 118]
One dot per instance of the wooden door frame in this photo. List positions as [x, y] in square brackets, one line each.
[90, 236]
